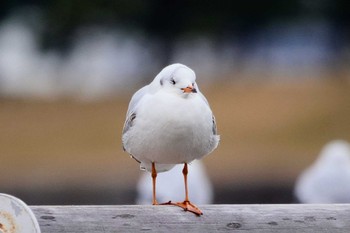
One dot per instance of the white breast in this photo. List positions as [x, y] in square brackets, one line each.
[170, 129]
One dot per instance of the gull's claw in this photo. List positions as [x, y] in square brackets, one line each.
[188, 206]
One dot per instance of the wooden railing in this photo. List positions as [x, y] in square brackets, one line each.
[216, 218]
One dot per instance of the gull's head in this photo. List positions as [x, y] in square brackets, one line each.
[177, 78]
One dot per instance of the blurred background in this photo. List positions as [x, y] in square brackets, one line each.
[276, 73]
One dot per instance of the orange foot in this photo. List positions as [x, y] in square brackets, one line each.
[156, 203]
[187, 206]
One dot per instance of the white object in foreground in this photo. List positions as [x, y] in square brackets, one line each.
[16, 216]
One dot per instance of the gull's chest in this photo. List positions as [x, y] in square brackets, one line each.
[173, 115]
[170, 130]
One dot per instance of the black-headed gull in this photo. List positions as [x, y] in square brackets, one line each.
[169, 122]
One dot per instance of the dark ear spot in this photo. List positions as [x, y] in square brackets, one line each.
[161, 82]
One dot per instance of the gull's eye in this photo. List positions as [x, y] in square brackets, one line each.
[172, 81]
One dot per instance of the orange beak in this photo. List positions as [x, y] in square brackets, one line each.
[189, 89]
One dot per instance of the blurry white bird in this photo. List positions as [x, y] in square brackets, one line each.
[328, 179]
[170, 185]
[169, 122]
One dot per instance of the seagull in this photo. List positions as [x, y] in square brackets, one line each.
[328, 179]
[169, 122]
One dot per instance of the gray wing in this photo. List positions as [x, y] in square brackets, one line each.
[214, 128]
[203, 98]
[131, 113]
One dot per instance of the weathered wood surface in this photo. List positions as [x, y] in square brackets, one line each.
[216, 218]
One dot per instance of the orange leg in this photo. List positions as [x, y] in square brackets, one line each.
[186, 204]
[154, 177]
[185, 172]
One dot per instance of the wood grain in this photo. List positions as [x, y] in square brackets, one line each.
[217, 218]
